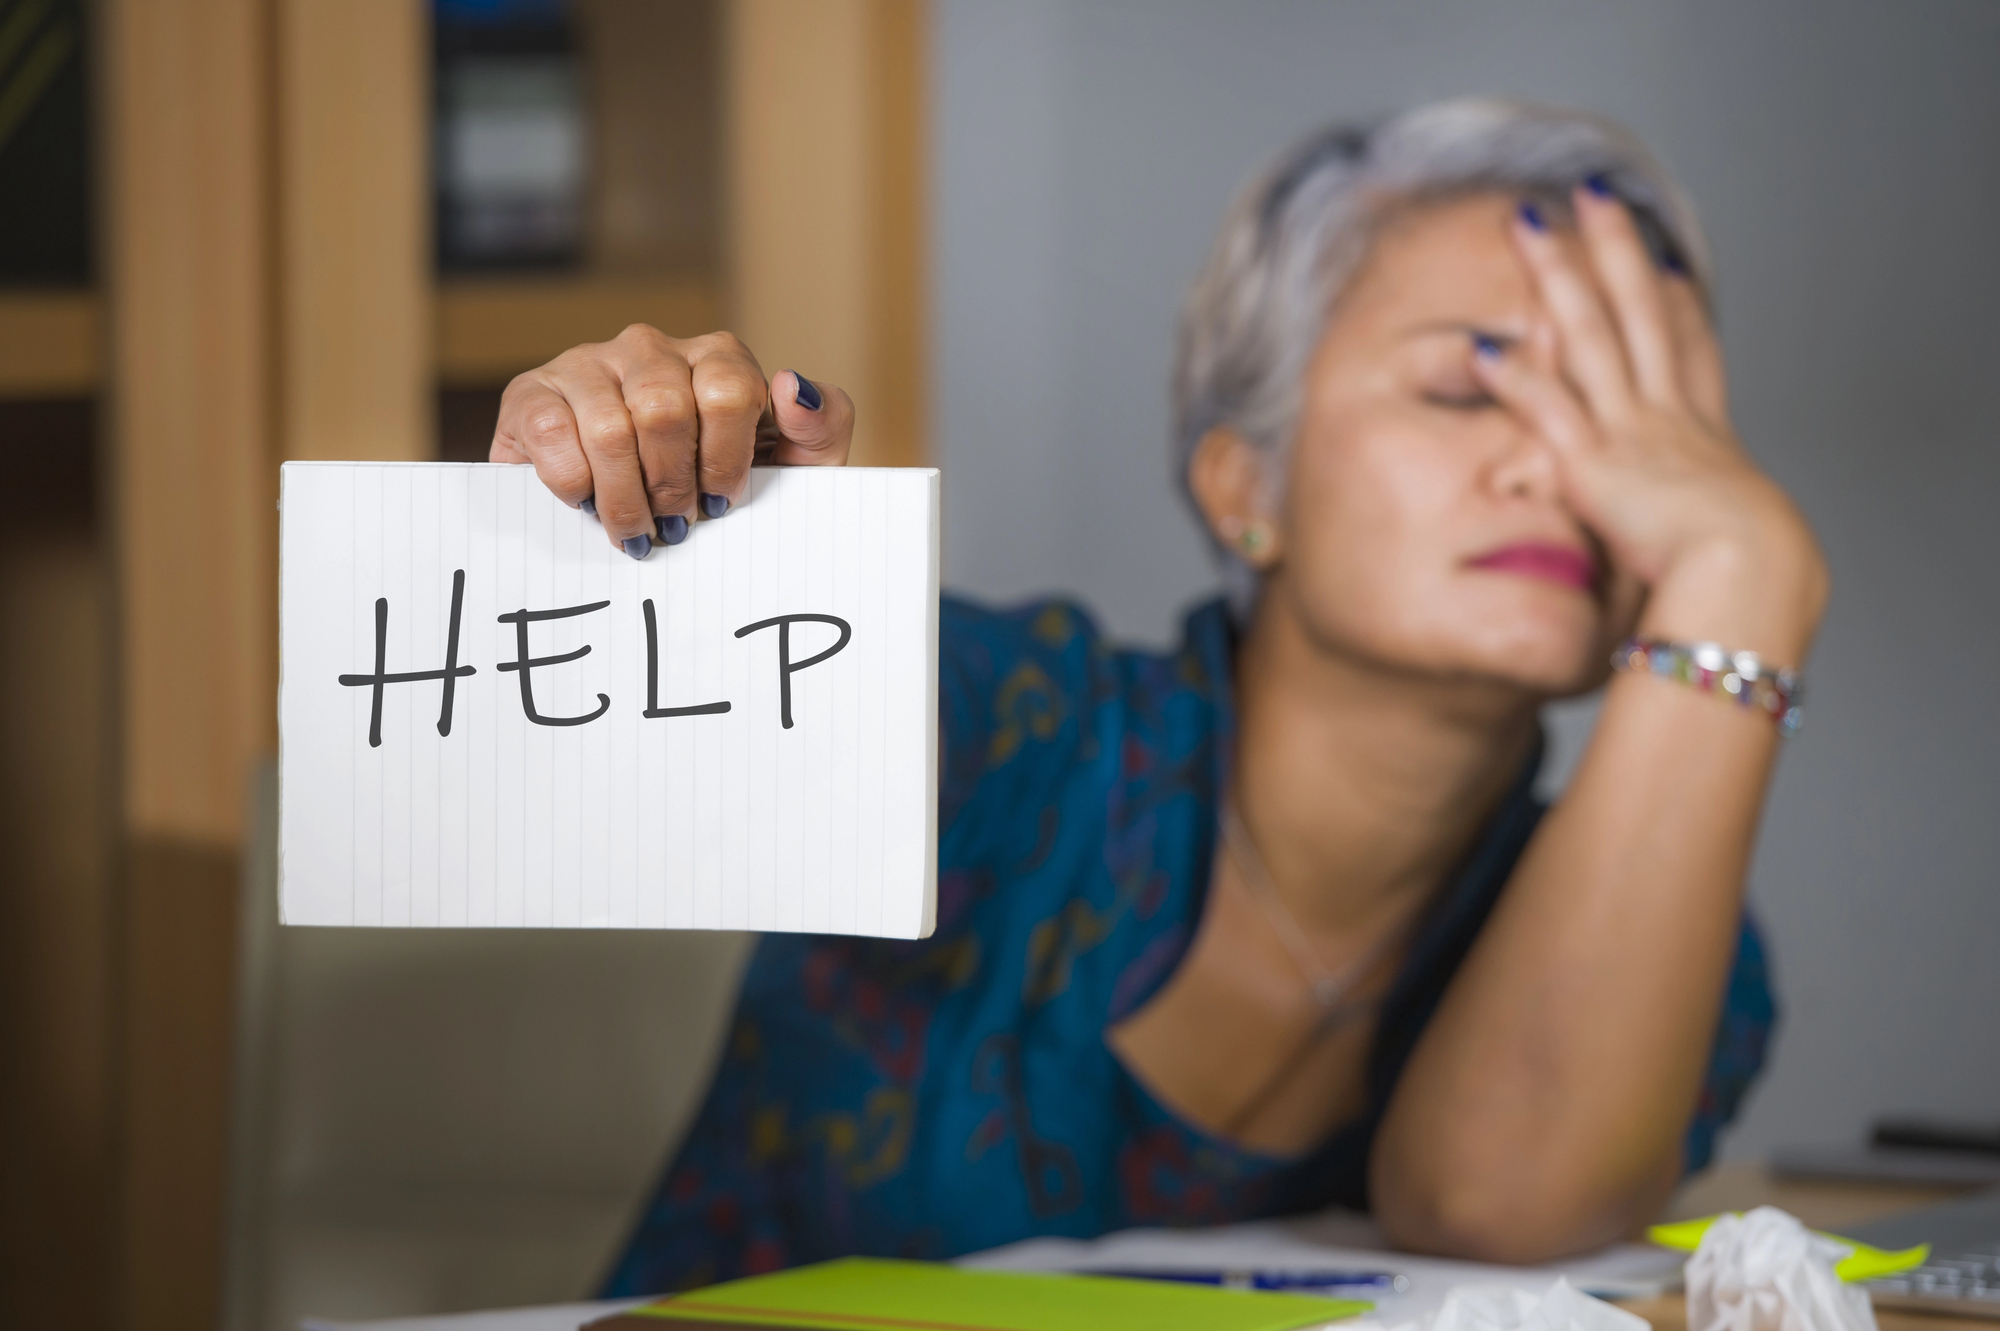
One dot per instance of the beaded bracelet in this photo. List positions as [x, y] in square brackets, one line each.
[1780, 694]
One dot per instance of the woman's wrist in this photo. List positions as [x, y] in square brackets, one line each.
[1762, 592]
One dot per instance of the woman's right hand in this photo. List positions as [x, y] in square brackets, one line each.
[1624, 379]
[653, 432]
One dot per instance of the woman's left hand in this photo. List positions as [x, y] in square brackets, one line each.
[1623, 377]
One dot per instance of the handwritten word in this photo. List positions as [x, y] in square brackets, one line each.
[524, 664]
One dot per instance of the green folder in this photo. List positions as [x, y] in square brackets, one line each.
[868, 1294]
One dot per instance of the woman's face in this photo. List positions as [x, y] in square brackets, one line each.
[1423, 526]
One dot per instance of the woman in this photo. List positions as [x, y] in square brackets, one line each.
[1274, 921]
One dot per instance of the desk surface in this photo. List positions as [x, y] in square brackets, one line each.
[1827, 1206]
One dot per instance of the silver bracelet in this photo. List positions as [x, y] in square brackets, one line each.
[1739, 676]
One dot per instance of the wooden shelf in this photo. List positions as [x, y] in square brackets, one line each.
[488, 329]
[49, 344]
[491, 329]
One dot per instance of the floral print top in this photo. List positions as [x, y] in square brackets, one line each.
[931, 1098]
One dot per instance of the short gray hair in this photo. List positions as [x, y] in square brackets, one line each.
[1299, 231]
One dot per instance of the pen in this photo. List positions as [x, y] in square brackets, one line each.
[1308, 1282]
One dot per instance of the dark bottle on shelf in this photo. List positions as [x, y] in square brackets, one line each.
[511, 151]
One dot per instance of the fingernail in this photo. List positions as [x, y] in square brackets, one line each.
[714, 506]
[1486, 348]
[1533, 217]
[589, 505]
[673, 529]
[808, 393]
[1600, 185]
[638, 546]
[1673, 262]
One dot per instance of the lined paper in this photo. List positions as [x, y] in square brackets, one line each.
[598, 815]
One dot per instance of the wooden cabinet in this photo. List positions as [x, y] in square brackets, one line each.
[265, 291]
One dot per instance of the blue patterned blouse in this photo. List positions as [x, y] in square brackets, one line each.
[933, 1098]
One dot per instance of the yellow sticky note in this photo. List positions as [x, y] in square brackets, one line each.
[1862, 1263]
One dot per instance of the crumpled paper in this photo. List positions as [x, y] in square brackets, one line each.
[1560, 1307]
[1764, 1271]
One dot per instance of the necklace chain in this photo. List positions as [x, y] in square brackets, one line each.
[1329, 988]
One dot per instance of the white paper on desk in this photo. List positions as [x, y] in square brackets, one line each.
[1336, 1241]
[549, 1317]
[718, 820]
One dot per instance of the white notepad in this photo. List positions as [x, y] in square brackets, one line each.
[658, 781]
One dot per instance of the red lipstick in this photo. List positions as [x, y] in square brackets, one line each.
[1564, 565]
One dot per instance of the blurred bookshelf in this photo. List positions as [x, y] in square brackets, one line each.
[56, 782]
[49, 343]
[489, 330]
[638, 240]
[628, 179]
[45, 169]
[576, 168]
[48, 314]
[326, 231]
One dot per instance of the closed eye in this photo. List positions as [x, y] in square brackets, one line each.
[1477, 399]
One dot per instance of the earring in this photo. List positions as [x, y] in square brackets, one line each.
[1253, 538]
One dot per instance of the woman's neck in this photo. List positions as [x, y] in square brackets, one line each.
[1363, 785]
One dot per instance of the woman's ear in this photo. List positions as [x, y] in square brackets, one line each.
[1227, 477]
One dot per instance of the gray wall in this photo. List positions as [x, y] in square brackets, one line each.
[1846, 157]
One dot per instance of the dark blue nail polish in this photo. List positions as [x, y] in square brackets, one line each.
[638, 546]
[809, 395]
[1600, 185]
[673, 529]
[714, 506]
[1533, 217]
[589, 505]
[1487, 348]
[1672, 261]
